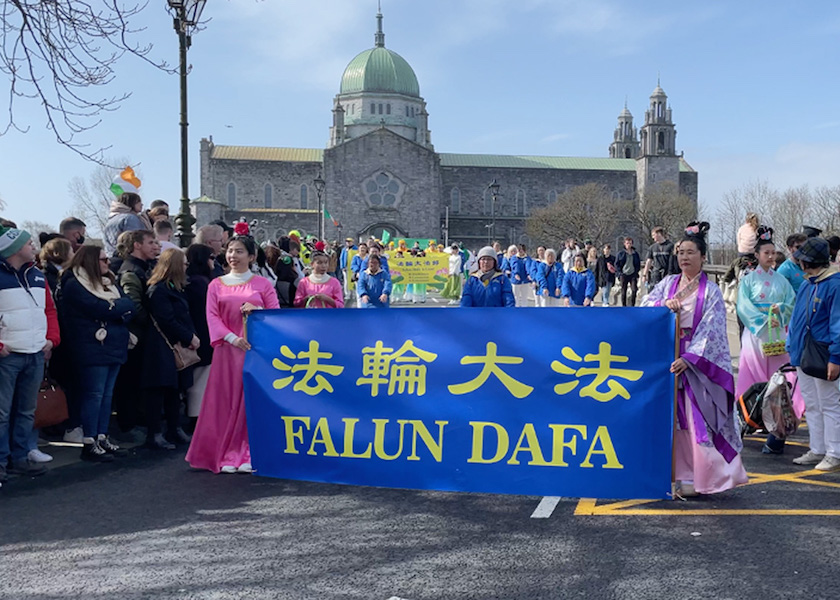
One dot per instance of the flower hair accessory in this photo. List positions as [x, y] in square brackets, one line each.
[692, 230]
[242, 229]
[765, 233]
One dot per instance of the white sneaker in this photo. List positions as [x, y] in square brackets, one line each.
[245, 468]
[228, 469]
[74, 436]
[37, 456]
[829, 463]
[809, 458]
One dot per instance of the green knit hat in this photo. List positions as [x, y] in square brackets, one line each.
[12, 240]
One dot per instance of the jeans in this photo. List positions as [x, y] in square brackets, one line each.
[96, 388]
[605, 295]
[20, 379]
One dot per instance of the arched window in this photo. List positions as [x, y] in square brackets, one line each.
[372, 108]
[520, 203]
[660, 144]
[455, 200]
[232, 195]
[268, 192]
[627, 153]
[304, 196]
[380, 108]
[552, 196]
[387, 109]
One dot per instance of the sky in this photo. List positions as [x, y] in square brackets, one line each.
[754, 87]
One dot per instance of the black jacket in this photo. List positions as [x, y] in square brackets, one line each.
[132, 277]
[82, 314]
[171, 311]
[196, 291]
[603, 276]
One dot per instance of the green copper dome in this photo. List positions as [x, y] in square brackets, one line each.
[380, 70]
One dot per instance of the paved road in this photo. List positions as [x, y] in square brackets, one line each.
[149, 527]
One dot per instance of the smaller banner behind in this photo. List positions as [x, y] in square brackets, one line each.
[431, 269]
[567, 402]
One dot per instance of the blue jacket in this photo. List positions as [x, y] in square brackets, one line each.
[621, 259]
[579, 286]
[519, 270]
[116, 224]
[822, 295]
[374, 286]
[356, 264]
[82, 314]
[550, 278]
[496, 292]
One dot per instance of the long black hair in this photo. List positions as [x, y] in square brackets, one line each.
[198, 255]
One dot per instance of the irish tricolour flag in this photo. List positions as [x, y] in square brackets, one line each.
[126, 181]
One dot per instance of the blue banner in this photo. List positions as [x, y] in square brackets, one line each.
[575, 402]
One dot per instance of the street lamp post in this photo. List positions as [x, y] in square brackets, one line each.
[187, 14]
[494, 193]
[320, 185]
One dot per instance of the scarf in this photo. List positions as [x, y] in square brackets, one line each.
[486, 277]
[578, 269]
[118, 208]
[369, 272]
[102, 291]
[319, 279]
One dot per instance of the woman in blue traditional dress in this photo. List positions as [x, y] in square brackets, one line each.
[765, 305]
[707, 445]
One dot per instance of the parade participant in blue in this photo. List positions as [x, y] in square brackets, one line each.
[790, 269]
[344, 265]
[706, 444]
[375, 285]
[488, 286]
[814, 347]
[376, 250]
[578, 288]
[519, 265]
[549, 277]
[765, 304]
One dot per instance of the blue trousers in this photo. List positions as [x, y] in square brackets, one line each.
[95, 388]
[20, 379]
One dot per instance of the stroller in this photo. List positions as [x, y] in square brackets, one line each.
[768, 406]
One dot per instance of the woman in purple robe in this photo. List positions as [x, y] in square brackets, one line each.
[707, 445]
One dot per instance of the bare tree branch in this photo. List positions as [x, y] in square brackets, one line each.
[586, 211]
[92, 198]
[59, 53]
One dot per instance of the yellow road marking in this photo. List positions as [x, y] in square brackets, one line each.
[590, 506]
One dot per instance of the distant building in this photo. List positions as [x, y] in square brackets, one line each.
[383, 173]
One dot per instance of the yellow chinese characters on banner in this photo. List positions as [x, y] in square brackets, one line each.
[431, 269]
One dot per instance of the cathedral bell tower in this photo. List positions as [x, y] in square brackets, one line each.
[658, 163]
[625, 138]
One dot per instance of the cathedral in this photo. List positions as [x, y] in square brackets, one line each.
[380, 171]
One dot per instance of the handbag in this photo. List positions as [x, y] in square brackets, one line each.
[771, 347]
[52, 403]
[815, 355]
[184, 357]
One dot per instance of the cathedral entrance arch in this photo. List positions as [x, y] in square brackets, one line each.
[376, 230]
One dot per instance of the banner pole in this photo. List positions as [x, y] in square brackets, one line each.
[674, 424]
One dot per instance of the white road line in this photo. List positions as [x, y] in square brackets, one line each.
[545, 507]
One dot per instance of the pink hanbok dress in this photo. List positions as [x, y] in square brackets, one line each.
[308, 288]
[221, 434]
[707, 444]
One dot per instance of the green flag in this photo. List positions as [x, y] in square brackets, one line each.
[386, 236]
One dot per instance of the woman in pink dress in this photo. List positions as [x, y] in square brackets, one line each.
[319, 290]
[220, 442]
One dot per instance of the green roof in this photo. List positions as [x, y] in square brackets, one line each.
[268, 154]
[504, 161]
[379, 70]
[492, 161]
